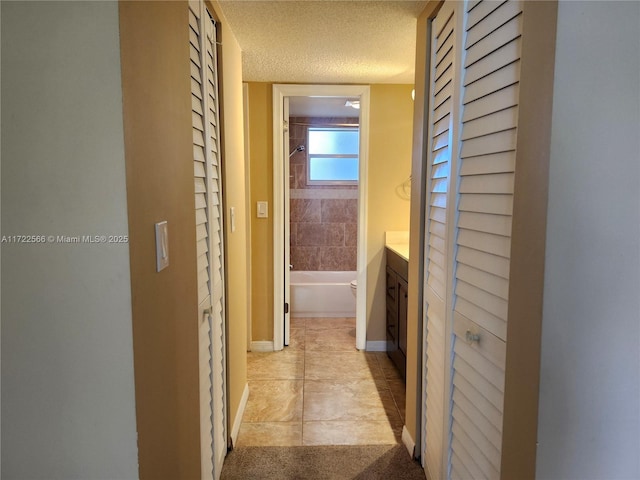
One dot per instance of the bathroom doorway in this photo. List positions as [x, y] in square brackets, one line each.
[315, 129]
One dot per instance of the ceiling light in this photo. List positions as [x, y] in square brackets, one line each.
[352, 104]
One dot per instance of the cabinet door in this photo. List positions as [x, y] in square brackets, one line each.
[403, 290]
[392, 311]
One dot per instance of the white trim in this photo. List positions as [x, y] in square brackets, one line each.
[279, 93]
[262, 346]
[408, 441]
[238, 421]
[376, 345]
[278, 221]
[247, 185]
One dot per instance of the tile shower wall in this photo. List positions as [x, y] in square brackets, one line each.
[324, 218]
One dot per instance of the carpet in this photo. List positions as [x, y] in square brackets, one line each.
[353, 462]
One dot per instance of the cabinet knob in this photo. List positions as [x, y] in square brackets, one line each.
[472, 337]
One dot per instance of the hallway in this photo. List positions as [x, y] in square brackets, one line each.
[321, 391]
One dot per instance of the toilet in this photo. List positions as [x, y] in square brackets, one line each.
[354, 287]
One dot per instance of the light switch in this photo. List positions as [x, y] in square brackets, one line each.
[263, 210]
[162, 246]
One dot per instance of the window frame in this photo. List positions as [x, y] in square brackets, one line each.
[348, 183]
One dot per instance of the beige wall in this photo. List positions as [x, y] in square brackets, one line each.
[389, 166]
[261, 154]
[234, 196]
[158, 152]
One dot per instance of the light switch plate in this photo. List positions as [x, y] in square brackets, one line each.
[162, 245]
[263, 210]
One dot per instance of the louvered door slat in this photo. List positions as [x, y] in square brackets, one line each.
[483, 222]
[497, 142]
[494, 102]
[498, 38]
[502, 162]
[485, 447]
[499, 16]
[505, 55]
[484, 261]
[485, 281]
[490, 382]
[482, 299]
[493, 122]
[485, 242]
[497, 204]
[465, 460]
[476, 453]
[441, 125]
[491, 347]
[481, 11]
[482, 317]
[501, 78]
[475, 412]
[464, 392]
[458, 470]
[490, 184]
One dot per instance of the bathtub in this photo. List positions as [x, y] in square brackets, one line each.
[322, 294]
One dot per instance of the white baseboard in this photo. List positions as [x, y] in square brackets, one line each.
[377, 346]
[235, 429]
[408, 441]
[262, 346]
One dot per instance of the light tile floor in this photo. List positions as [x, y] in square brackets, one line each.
[320, 390]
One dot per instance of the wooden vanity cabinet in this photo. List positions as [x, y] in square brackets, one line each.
[397, 273]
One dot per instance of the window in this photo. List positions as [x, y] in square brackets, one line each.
[333, 156]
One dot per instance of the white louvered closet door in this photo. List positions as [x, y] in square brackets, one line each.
[217, 247]
[471, 343]
[209, 237]
[441, 97]
[487, 166]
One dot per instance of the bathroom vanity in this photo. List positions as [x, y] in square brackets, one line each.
[397, 274]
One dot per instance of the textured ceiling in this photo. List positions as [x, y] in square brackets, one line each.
[326, 41]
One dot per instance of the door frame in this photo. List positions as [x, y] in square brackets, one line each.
[280, 217]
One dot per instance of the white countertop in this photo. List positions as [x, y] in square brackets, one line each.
[398, 242]
[401, 249]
